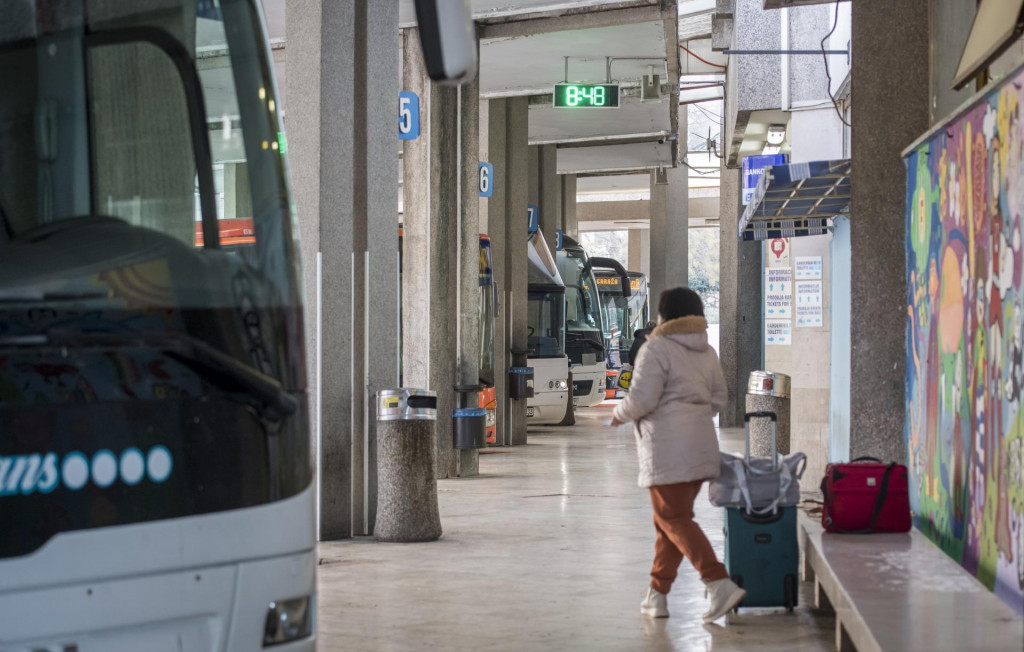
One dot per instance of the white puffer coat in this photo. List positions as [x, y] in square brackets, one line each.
[677, 388]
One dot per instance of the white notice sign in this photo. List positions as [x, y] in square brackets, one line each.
[778, 332]
[808, 304]
[778, 292]
[808, 267]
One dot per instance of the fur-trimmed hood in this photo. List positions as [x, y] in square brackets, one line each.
[691, 332]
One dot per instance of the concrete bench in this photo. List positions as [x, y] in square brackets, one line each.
[897, 592]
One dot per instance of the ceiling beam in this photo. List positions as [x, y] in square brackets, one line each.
[670, 18]
[562, 20]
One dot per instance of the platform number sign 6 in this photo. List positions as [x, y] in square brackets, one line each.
[408, 115]
[486, 186]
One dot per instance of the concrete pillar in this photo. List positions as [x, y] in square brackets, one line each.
[740, 331]
[344, 55]
[430, 278]
[640, 251]
[669, 233]
[545, 189]
[570, 224]
[892, 110]
[237, 198]
[468, 461]
[507, 150]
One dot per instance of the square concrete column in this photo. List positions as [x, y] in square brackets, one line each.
[430, 250]
[740, 303]
[507, 149]
[545, 190]
[669, 232]
[640, 252]
[570, 225]
[344, 55]
[891, 111]
[468, 461]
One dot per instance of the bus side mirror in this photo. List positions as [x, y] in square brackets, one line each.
[449, 40]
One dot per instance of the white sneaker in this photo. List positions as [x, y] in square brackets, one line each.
[725, 595]
[654, 604]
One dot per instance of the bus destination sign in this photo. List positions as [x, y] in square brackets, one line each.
[586, 96]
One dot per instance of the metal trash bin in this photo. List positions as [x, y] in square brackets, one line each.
[520, 382]
[406, 487]
[768, 391]
[469, 428]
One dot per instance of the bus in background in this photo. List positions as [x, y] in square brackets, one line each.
[625, 316]
[488, 398]
[545, 331]
[584, 324]
[155, 459]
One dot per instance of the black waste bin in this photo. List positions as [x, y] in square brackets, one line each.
[520, 382]
[469, 428]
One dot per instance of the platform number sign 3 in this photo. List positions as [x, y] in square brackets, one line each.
[408, 115]
[486, 181]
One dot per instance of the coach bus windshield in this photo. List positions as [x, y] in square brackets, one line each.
[149, 307]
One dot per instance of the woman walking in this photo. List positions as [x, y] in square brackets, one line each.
[677, 389]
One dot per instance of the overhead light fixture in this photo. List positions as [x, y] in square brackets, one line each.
[771, 149]
[776, 134]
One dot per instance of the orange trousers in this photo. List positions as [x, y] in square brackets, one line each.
[679, 536]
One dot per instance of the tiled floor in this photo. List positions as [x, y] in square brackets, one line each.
[548, 549]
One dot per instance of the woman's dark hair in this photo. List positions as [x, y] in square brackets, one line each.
[680, 302]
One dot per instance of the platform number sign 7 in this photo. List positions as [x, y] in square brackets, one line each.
[408, 115]
[486, 186]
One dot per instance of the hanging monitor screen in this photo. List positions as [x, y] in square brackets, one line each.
[586, 96]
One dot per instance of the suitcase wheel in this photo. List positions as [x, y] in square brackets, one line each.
[738, 581]
[789, 592]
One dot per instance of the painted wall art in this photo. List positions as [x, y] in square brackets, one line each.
[965, 323]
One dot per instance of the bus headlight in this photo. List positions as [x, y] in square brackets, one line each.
[287, 621]
[561, 384]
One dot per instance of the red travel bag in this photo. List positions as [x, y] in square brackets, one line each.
[865, 496]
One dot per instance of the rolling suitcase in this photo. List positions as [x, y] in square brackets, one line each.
[762, 554]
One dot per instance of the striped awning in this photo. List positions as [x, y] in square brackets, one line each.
[796, 200]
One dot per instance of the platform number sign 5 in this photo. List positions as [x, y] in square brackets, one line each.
[408, 115]
[486, 182]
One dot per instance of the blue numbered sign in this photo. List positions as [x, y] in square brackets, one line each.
[408, 115]
[486, 184]
[532, 218]
[558, 239]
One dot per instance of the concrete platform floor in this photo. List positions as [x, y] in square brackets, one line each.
[549, 549]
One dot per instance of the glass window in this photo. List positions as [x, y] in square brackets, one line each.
[545, 324]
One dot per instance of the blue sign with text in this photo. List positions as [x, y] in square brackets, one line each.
[753, 169]
[532, 218]
[558, 240]
[408, 115]
[486, 180]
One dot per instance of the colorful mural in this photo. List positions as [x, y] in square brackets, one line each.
[965, 322]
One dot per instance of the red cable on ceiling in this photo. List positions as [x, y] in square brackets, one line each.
[700, 58]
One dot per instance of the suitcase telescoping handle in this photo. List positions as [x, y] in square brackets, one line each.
[763, 414]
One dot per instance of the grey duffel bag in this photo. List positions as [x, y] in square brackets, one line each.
[758, 485]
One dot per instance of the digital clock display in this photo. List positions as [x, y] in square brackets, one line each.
[586, 96]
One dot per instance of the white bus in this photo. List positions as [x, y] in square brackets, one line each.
[155, 472]
[584, 324]
[545, 307]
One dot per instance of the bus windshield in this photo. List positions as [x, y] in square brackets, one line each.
[149, 305]
[584, 327]
[545, 323]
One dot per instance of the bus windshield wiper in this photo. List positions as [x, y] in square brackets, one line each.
[276, 402]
